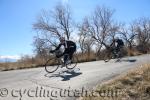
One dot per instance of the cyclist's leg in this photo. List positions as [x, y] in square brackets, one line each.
[66, 54]
[72, 51]
[72, 62]
[118, 48]
[114, 51]
[69, 54]
[119, 51]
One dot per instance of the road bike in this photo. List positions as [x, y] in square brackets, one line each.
[54, 62]
[112, 53]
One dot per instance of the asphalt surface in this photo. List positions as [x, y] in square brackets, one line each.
[37, 84]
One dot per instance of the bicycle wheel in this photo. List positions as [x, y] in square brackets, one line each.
[107, 56]
[118, 56]
[52, 65]
[73, 63]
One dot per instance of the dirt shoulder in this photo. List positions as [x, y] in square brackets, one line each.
[134, 85]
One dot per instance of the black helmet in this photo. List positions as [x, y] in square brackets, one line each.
[62, 39]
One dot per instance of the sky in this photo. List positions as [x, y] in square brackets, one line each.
[17, 17]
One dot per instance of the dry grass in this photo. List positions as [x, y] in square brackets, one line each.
[15, 65]
[27, 62]
[85, 57]
[133, 52]
[38, 62]
[135, 85]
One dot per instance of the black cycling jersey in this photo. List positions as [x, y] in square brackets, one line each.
[67, 45]
[70, 48]
[120, 42]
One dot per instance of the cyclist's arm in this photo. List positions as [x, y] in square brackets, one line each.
[111, 44]
[57, 48]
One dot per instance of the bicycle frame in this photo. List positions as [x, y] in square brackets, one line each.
[110, 53]
[58, 63]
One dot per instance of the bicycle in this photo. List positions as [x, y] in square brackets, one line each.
[53, 63]
[112, 53]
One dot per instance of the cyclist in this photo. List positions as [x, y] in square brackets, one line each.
[118, 44]
[70, 48]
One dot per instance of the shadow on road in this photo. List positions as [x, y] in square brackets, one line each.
[130, 60]
[65, 75]
[126, 60]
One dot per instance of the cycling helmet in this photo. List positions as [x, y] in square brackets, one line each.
[116, 38]
[62, 39]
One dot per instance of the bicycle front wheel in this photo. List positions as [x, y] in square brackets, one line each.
[107, 56]
[73, 63]
[52, 65]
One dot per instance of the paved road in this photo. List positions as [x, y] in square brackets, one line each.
[36, 84]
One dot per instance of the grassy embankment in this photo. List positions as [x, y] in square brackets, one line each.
[134, 85]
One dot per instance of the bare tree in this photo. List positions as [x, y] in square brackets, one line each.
[81, 41]
[141, 27]
[64, 19]
[88, 44]
[58, 22]
[101, 25]
[85, 41]
[50, 26]
[128, 35]
[41, 48]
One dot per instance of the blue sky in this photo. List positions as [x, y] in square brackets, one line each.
[17, 17]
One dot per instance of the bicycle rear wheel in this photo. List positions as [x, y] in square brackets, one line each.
[107, 56]
[73, 63]
[52, 65]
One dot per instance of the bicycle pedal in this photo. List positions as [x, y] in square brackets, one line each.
[68, 62]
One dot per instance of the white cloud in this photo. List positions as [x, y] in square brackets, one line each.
[10, 57]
